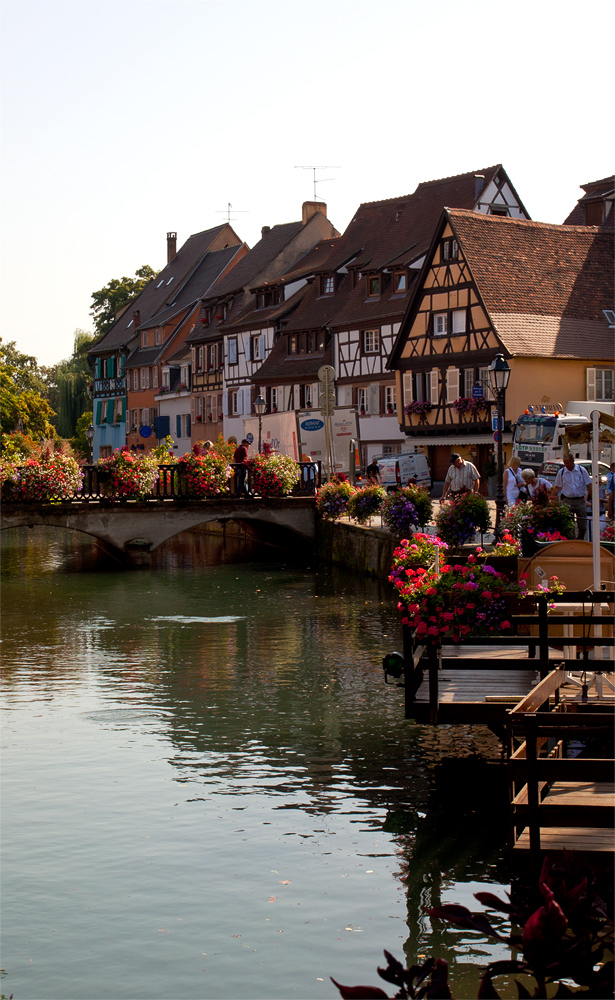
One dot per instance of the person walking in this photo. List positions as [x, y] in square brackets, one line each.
[574, 486]
[461, 477]
[240, 458]
[512, 481]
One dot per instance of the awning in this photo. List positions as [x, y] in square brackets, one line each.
[460, 439]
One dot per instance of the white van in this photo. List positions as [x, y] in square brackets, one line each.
[396, 470]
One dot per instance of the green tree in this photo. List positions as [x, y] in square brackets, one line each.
[115, 295]
[68, 384]
[79, 443]
[22, 390]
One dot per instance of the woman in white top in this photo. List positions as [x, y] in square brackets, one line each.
[512, 480]
[533, 483]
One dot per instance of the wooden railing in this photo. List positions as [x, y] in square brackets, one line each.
[96, 487]
[551, 786]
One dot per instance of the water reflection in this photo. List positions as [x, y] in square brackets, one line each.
[225, 728]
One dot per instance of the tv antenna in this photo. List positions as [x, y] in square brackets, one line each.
[321, 180]
[227, 211]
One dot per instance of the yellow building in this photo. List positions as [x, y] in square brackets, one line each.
[539, 294]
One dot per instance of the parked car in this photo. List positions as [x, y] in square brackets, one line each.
[398, 470]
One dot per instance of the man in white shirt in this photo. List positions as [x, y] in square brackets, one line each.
[461, 477]
[573, 484]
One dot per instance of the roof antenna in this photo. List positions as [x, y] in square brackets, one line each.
[321, 180]
[227, 211]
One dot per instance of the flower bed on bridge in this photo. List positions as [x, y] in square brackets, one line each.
[55, 477]
[202, 474]
[127, 476]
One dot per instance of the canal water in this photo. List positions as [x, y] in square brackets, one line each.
[208, 791]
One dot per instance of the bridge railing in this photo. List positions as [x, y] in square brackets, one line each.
[96, 487]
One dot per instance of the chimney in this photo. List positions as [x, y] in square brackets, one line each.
[171, 246]
[311, 208]
[265, 230]
[479, 183]
[136, 318]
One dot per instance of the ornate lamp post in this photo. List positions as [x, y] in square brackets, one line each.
[89, 433]
[260, 406]
[499, 374]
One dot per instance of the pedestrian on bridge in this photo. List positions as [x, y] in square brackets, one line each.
[240, 458]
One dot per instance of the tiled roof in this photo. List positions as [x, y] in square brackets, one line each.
[256, 261]
[316, 311]
[157, 293]
[183, 354]
[196, 286]
[291, 368]
[388, 307]
[561, 275]
[594, 190]
[143, 356]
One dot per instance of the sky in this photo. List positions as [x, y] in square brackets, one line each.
[123, 120]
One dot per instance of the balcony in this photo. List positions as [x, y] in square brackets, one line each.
[110, 386]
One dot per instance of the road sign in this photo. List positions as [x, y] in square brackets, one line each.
[145, 431]
[496, 437]
[326, 374]
[326, 401]
[477, 392]
[250, 438]
[494, 422]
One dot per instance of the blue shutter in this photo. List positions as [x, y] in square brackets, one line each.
[110, 405]
[121, 362]
[162, 427]
[99, 411]
[110, 367]
[178, 425]
[188, 425]
[98, 368]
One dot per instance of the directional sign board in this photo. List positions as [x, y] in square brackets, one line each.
[494, 422]
[477, 392]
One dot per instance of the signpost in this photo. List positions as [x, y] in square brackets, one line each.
[326, 401]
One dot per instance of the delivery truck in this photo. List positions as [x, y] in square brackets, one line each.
[302, 435]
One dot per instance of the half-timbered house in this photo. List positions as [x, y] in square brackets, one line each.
[108, 355]
[234, 333]
[536, 293]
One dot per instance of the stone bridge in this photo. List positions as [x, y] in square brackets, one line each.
[134, 529]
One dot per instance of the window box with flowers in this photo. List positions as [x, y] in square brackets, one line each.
[470, 409]
[199, 418]
[210, 416]
[418, 408]
[183, 387]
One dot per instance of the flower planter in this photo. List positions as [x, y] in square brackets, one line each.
[508, 566]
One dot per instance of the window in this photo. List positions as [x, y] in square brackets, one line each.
[118, 414]
[135, 380]
[166, 378]
[274, 399]
[604, 384]
[134, 420]
[390, 403]
[454, 250]
[483, 375]
[400, 283]
[373, 287]
[459, 320]
[199, 359]
[498, 210]
[327, 285]
[421, 387]
[440, 324]
[255, 348]
[105, 451]
[235, 403]
[184, 376]
[145, 417]
[172, 278]
[155, 377]
[449, 250]
[145, 378]
[292, 344]
[362, 401]
[145, 338]
[308, 396]
[371, 341]
[232, 350]
[157, 336]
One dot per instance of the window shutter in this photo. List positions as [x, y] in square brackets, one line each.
[240, 401]
[97, 368]
[452, 384]
[99, 411]
[110, 367]
[121, 364]
[355, 397]
[374, 399]
[225, 402]
[188, 425]
[263, 346]
[109, 417]
[590, 384]
[178, 425]
[407, 382]
[434, 386]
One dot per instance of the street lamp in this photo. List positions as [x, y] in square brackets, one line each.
[260, 406]
[89, 433]
[499, 374]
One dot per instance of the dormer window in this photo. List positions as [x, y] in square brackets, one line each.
[145, 338]
[449, 250]
[157, 336]
[498, 210]
[327, 285]
[373, 287]
[400, 283]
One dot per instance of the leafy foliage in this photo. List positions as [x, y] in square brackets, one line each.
[55, 477]
[22, 391]
[130, 476]
[79, 443]
[68, 385]
[399, 511]
[273, 475]
[116, 294]
[332, 499]
[457, 520]
[364, 503]
[566, 941]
